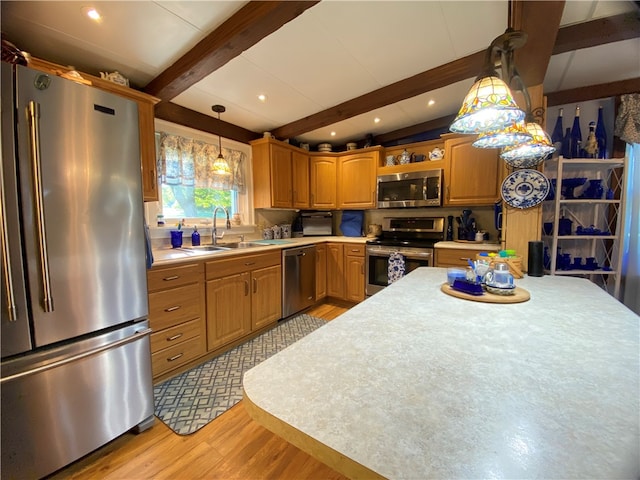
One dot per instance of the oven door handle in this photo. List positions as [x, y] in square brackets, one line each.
[410, 255]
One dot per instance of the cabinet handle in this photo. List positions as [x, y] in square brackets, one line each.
[464, 259]
[255, 285]
[175, 357]
[246, 288]
[175, 337]
[448, 193]
[173, 277]
[249, 263]
[173, 309]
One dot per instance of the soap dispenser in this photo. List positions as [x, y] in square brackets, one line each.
[195, 237]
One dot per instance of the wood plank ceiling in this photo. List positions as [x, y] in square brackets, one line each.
[257, 19]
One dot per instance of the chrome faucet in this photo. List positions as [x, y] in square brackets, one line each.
[214, 231]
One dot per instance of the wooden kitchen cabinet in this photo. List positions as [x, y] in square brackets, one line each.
[354, 272]
[345, 275]
[146, 118]
[243, 295]
[176, 316]
[454, 257]
[471, 175]
[280, 175]
[335, 270]
[356, 180]
[266, 296]
[323, 171]
[321, 271]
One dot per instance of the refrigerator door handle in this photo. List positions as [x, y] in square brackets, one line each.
[34, 125]
[6, 266]
[109, 346]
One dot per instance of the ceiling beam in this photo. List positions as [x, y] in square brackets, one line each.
[541, 21]
[438, 77]
[413, 130]
[174, 113]
[253, 22]
[593, 92]
[598, 32]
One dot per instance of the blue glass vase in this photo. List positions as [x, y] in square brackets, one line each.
[556, 136]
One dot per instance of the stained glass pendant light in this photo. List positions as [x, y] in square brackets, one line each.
[511, 135]
[220, 165]
[531, 153]
[489, 106]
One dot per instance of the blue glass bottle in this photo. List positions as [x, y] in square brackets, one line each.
[601, 136]
[195, 237]
[576, 136]
[566, 144]
[558, 130]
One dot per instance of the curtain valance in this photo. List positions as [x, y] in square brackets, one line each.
[188, 162]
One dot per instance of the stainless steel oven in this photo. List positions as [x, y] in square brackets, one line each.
[377, 263]
[411, 237]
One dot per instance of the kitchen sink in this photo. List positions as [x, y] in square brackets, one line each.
[207, 248]
[242, 245]
[225, 246]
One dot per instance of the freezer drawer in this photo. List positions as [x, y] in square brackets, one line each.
[69, 401]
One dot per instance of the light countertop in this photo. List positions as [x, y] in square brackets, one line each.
[168, 256]
[480, 246]
[414, 383]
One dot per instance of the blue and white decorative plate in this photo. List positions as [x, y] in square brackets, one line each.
[525, 188]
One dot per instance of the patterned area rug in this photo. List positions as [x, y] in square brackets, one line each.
[188, 402]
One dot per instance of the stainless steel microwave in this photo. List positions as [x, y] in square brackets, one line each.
[413, 189]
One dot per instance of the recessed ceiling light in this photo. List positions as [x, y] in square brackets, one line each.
[333, 134]
[376, 120]
[431, 102]
[262, 97]
[92, 13]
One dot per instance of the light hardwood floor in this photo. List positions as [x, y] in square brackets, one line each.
[232, 447]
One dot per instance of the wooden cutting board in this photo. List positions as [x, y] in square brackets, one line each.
[520, 295]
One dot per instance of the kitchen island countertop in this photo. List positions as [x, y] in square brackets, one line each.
[414, 383]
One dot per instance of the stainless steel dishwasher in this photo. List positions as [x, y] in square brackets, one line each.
[298, 279]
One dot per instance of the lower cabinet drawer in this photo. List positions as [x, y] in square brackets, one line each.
[174, 335]
[168, 308]
[177, 355]
[454, 257]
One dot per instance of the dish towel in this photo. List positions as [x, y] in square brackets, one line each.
[396, 267]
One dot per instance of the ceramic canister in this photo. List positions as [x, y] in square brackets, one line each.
[267, 234]
[277, 231]
[286, 230]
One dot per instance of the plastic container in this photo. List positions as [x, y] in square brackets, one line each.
[454, 273]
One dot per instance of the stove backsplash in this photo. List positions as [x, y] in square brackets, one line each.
[484, 217]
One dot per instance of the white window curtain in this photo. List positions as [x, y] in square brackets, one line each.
[188, 162]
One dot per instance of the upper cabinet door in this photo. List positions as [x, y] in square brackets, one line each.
[323, 182]
[300, 174]
[281, 177]
[472, 175]
[357, 180]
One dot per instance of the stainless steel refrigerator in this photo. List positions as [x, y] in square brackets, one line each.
[76, 363]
